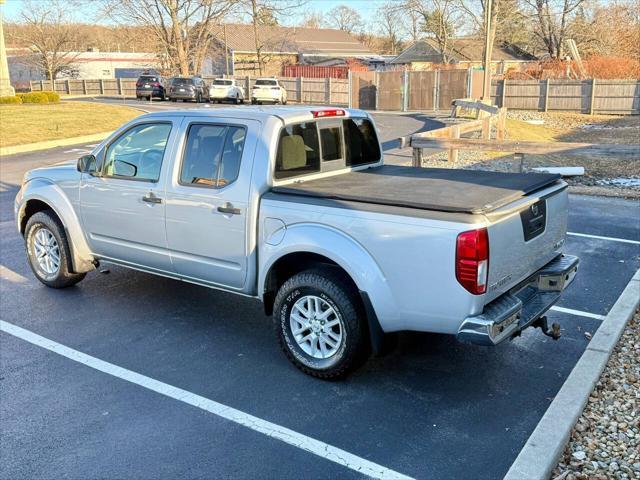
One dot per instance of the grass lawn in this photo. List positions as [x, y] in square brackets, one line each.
[30, 123]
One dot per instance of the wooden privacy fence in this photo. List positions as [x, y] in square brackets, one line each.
[421, 91]
[329, 91]
[618, 97]
[109, 86]
[405, 90]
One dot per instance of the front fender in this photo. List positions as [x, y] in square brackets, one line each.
[341, 249]
[48, 192]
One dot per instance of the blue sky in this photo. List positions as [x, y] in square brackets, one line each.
[366, 8]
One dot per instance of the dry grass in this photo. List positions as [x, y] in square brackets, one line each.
[565, 127]
[21, 124]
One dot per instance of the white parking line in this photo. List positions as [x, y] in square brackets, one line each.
[272, 430]
[7, 274]
[579, 313]
[598, 237]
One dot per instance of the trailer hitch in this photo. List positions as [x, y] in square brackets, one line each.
[543, 324]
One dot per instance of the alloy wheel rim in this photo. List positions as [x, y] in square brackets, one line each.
[316, 327]
[46, 251]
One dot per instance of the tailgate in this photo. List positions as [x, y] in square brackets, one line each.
[524, 236]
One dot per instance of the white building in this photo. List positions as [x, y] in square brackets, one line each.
[88, 65]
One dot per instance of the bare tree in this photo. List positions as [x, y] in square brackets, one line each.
[312, 19]
[46, 31]
[411, 24]
[344, 18]
[552, 19]
[440, 19]
[389, 23]
[182, 29]
[266, 13]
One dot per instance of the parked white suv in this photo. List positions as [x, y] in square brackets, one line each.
[268, 90]
[225, 89]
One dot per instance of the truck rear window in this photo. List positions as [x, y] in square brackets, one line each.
[361, 141]
[298, 150]
[302, 150]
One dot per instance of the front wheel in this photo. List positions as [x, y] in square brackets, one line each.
[48, 251]
[320, 324]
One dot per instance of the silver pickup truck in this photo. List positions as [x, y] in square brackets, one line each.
[294, 206]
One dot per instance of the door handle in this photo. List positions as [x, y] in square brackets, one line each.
[229, 209]
[151, 198]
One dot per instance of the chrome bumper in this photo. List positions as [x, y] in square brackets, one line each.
[517, 309]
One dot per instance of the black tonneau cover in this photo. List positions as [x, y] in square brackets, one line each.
[443, 189]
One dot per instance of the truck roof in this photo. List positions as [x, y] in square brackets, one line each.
[288, 114]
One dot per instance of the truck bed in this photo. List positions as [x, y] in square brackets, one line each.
[442, 189]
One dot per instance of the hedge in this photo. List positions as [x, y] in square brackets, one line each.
[13, 99]
[34, 97]
[53, 97]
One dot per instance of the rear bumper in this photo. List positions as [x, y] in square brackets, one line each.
[517, 309]
[183, 95]
[145, 92]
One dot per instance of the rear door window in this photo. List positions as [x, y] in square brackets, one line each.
[212, 155]
[361, 141]
[298, 150]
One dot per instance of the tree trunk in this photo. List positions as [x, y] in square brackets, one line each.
[254, 11]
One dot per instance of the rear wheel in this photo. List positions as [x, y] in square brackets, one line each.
[48, 251]
[320, 324]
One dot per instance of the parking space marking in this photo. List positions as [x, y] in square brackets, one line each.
[265, 427]
[599, 237]
[579, 313]
[7, 274]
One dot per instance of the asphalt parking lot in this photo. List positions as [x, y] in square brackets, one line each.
[433, 408]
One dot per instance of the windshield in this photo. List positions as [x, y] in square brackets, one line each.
[266, 82]
[222, 82]
[182, 81]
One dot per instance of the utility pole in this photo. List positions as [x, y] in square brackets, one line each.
[226, 49]
[488, 40]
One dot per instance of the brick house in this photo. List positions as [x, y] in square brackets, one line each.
[279, 46]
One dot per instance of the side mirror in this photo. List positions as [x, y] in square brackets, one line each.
[124, 169]
[86, 164]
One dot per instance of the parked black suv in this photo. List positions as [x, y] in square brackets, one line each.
[188, 88]
[150, 85]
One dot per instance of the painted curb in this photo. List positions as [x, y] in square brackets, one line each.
[543, 449]
[33, 147]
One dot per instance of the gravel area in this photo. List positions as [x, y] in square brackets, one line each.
[603, 176]
[605, 442]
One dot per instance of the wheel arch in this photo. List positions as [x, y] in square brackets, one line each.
[306, 245]
[39, 195]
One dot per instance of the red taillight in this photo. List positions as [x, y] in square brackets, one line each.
[157, 84]
[328, 113]
[138, 84]
[472, 260]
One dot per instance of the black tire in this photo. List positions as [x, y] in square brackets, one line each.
[46, 220]
[174, 100]
[330, 286]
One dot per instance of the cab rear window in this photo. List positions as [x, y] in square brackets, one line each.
[298, 150]
[361, 141]
[325, 145]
